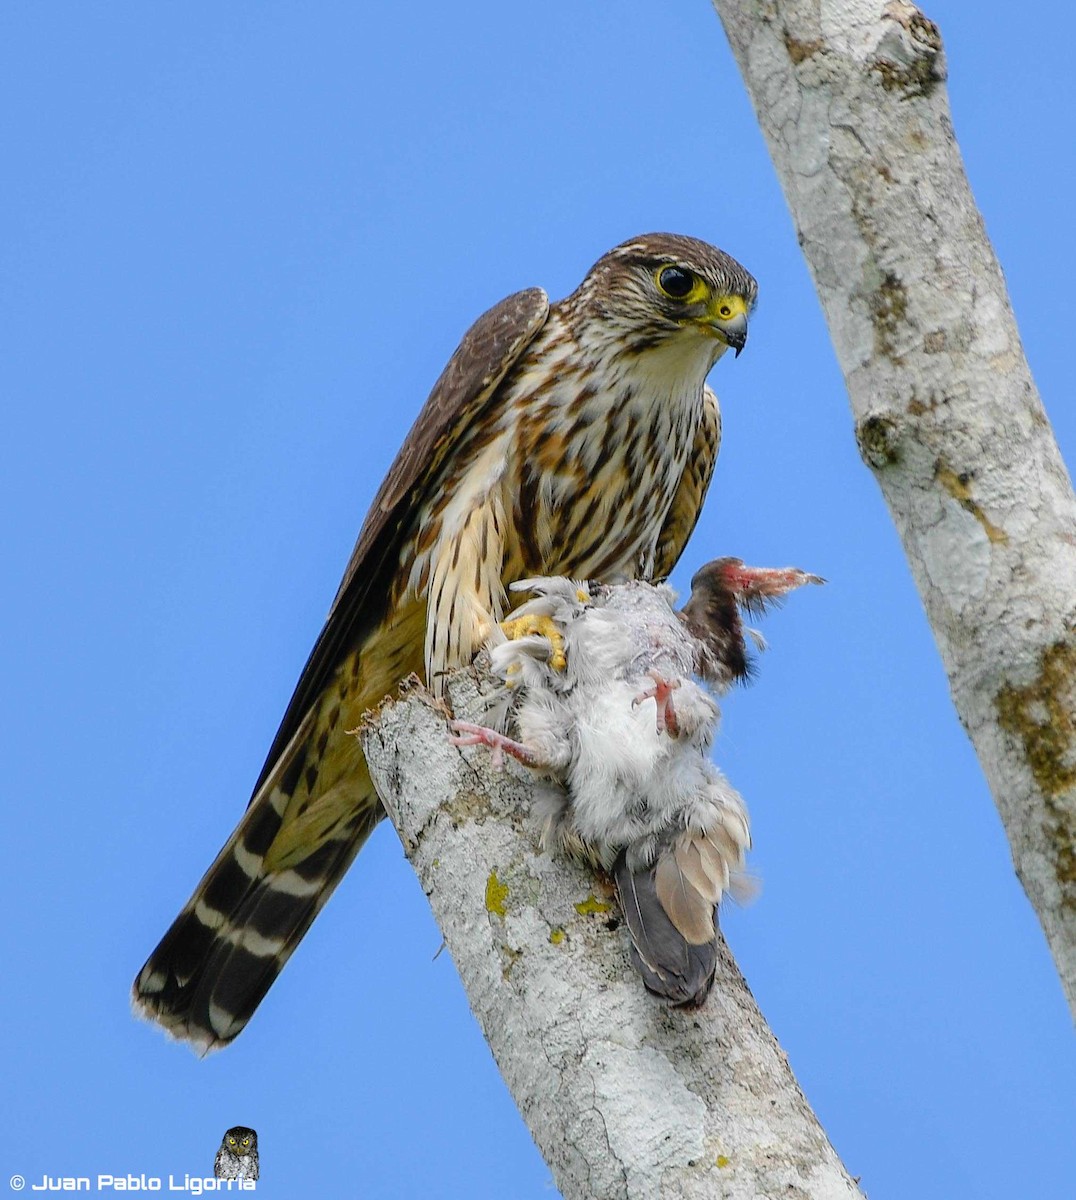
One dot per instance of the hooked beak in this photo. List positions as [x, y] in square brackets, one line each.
[733, 331]
[725, 319]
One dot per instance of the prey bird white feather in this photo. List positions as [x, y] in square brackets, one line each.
[623, 733]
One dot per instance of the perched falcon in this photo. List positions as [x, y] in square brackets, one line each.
[569, 439]
[635, 793]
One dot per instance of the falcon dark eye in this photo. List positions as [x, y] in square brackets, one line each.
[676, 282]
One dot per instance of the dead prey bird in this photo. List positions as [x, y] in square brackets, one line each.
[618, 722]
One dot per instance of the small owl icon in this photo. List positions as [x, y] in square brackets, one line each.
[237, 1157]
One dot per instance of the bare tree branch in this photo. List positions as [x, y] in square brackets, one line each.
[851, 98]
[624, 1096]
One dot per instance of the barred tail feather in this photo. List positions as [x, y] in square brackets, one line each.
[312, 810]
[254, 904]
[223, 952]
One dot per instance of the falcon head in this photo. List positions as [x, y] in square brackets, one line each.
[667, 290]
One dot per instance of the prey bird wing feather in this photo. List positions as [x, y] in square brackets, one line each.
[575, 438]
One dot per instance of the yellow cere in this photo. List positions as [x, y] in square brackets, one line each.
[724, 308]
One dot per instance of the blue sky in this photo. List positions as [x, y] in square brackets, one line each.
[240, 241]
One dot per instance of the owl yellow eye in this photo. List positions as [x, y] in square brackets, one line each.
[246, 1141]
[676, 282]
[231, 1141]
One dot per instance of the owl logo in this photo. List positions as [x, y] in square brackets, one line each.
[237, 1157]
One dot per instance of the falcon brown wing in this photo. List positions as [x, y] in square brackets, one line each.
[314, 805]
[466, 386]
[687, 504]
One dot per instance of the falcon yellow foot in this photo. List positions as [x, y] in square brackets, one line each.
[520, 627]
[467, 734]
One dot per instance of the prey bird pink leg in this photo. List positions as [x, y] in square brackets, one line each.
[661, 694]
[481, 735]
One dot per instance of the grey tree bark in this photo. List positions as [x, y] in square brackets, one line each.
[850, 95]
[624, 1096]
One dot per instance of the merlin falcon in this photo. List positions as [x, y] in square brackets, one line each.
[575, 438]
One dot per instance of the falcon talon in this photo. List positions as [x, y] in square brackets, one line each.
[531, 623]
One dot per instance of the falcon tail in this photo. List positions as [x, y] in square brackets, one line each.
[235, 934]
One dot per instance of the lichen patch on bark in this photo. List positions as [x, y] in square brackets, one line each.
[469, 806]
[1041, 715]
[799, 51]
[876, 437]
[889, 312]
[496, 896]
[912, 62]
[959, 487]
